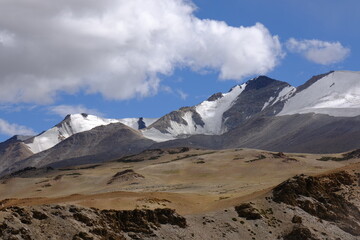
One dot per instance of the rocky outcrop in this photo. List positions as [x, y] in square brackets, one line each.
[142, 221]
[125, 176]
[299, 233]
[247, 211]
[71, 222]
[320, 197]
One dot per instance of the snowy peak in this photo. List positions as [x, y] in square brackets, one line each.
[259, 82]
[76, 123]
[336, 94]
[72, 124]
[204, 118]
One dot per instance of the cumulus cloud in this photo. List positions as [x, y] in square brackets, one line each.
[63, 110]
[118, 48]
[11, 129]
[319, 52]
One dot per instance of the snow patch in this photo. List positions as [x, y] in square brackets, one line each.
[212, 112]
[284, 94]
[156, 135]
[267, 103]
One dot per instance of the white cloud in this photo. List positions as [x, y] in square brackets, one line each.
[118, 48]
[317, 51]
[182, 94]
[6, 39]
[63, 110]
[11, 129]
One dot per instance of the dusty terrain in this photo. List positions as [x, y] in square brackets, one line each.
[202, 186]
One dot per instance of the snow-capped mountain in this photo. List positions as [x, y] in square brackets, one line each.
[76, 123]
[204, 118]
[335, 94]
[222, 111]
[322, 115]
[71, 125]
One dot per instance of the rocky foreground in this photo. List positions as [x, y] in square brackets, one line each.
[303, 207]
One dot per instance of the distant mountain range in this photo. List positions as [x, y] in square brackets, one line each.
[320, 116]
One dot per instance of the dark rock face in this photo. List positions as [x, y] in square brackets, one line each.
[39, 215]
[215, 97]
[141, 123]
[299, 233]
[246, 210]
[252, 100]
[318, 196]
[176, 116]
[296, 219]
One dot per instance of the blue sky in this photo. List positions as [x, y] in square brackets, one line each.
[45, 73]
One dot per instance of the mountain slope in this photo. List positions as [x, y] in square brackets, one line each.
[302, 133]
[335, 94]
[12, 151]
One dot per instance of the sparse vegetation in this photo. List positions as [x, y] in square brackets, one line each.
[89, 167]
[73, 174]
[346, 156]
[200, 162]
[181, 150]
[195, 155]
[260, 157]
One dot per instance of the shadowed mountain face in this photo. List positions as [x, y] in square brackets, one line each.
[252, 100]
[307, 133]
[12, 151]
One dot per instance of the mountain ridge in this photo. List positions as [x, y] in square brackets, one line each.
[320, 116]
